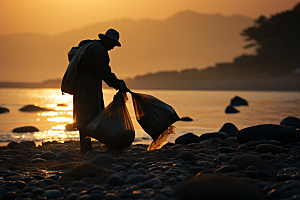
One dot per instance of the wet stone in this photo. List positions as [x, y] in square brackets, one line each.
[51, 194]
[63, 155]
[119, 168]
[136, 179]
[226, 150]
[79, 184]
[227, 168]
[48, 155]
[185, 155]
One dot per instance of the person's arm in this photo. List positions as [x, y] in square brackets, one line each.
[100, 62]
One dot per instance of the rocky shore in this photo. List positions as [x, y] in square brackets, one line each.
[213, 167]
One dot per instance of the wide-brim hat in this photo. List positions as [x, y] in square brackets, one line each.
[112, 34]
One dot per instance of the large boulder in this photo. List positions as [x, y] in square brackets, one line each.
[238, 101]
[243, 161]
[230, 129]
[187, 138]
[3, 110]
[33, 108]
[216, 186]
[291, 121]
[221, 135]
[231, 109]
[266, 131]
[25, 129]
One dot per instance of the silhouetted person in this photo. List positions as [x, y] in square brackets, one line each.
[94, 67]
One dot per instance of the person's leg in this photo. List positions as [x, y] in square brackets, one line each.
[85, 143]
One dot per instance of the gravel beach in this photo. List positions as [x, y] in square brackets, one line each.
[214, 168]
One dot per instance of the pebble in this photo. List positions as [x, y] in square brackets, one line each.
[274, 175]
[48, 155]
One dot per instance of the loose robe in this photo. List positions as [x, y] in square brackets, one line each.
[88, 97]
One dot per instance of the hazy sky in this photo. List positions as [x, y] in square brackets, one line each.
[57, 16]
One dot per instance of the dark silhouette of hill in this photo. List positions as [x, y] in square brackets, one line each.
[277, 42]
[185, 40]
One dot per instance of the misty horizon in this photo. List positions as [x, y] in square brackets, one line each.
[125, 18]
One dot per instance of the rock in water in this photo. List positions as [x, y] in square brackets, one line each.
[187, 119]
[3, 110]
[25, 129]
[238, 101]
[230, 129]
[69, 127]
[231, 109]
[33, 108]
[291, 121]
[216, 186]
[266, 131]
[187, 138]
[243, 161]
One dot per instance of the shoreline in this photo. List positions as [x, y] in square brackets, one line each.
[51, 170]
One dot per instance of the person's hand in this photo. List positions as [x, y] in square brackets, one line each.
[124, 89]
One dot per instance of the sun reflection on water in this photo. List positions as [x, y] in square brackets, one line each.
[60, 117]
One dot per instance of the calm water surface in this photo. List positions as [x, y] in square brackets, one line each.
[205, 107]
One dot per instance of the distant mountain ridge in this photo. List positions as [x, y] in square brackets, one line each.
[185, 40]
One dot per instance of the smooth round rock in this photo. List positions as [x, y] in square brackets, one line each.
[150, 183]
[266, 131]
[14, 145]
[185, 155]
[104, 159]
[221, 135]
[231, 109]
[238, 101]
[188, 138]
[4, 110]
[230, 129]
[51, 194]
[227, 168]
[28, 144]
[9, 195]
[37, 160]
[114, 180]
[119, 168]
[216, 186]
[186, 119]
[33, 108]
[291, 121]
[48, 155]
[25, 129]
[79, 184]
[243, 161]
[63, 155]
[136, 179]
[226, 150]
[265, 148]
[137, 149]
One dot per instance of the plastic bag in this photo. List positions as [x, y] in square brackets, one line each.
[70, 74]
[113, 126]
[152, 114]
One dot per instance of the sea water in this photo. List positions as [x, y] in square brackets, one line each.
[206, 108]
